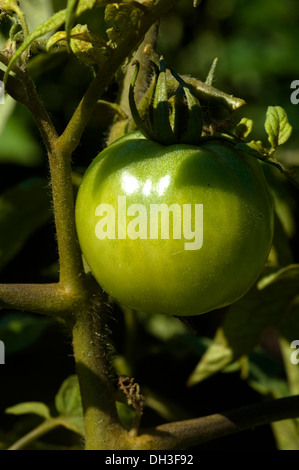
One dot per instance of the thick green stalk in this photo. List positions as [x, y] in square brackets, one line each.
[97, 380]
[46, 299]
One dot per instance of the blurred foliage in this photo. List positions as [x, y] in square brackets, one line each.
[245, 357]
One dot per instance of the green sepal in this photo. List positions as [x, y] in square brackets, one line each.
[177, 116]
[211, 74]
[195, 122]
[134, 110]
[167, 114]
[161, 124]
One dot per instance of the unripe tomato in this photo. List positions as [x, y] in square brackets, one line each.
[179, 229]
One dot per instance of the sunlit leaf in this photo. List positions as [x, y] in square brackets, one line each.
[244, 128]
[277, 126]
[88, 47]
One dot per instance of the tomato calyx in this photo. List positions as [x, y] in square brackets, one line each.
[171, 115]
[178, 109]
[183, 110]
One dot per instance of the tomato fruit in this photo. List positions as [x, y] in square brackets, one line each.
[212, 224]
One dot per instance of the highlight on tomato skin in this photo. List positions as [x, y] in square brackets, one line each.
[176, 230]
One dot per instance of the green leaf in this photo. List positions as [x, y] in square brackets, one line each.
[68, 404]
[18, 330]
[34, 407]
[88, 47]
[261, 307]
[244, 128]
[23, 209]
[8, 5]
[125, 17]
[68, 398]
[256, 146]
[277, 126]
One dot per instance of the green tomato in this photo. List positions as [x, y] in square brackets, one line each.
[177, 230]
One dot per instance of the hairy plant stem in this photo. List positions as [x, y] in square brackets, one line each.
[71, 266]
[97, 379]
[46, 299]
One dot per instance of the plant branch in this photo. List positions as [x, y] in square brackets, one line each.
[30, 297]
[73, 132]
[46, 299]
[185, 434]
[33, 435]
[71, 266]
[97, 378]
